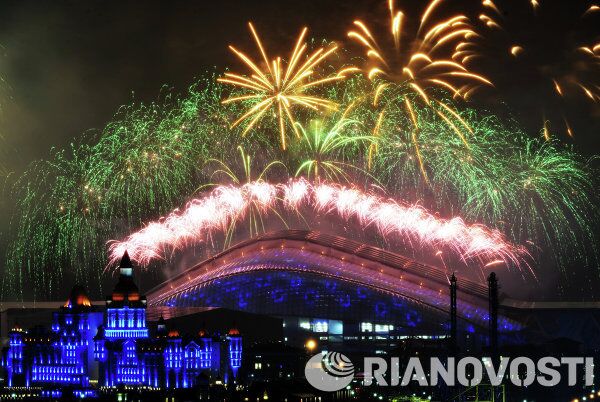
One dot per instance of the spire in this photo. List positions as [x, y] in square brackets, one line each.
[453, 313]
[125, 266]
[100, 333]
[125, 261]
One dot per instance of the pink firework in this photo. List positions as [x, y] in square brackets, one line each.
[230, 204]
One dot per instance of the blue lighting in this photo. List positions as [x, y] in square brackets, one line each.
[118, 344]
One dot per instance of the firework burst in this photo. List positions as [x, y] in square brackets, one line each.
[280, 86]
[424, 59]
[327, 147]
[421, 67]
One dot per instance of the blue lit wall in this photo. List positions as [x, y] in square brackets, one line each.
[301, 293]
[59, 356]
[126, 322]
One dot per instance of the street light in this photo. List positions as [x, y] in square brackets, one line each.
[310, 345]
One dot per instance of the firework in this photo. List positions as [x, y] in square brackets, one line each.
[427, 58]
[280, 86]
[562, 69]
[215, 211]
[421, 68]
[533, 192]
[258, 207]
[327, 148]
[411, 130]
[144, 162]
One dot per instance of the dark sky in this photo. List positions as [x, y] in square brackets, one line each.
[70, 64]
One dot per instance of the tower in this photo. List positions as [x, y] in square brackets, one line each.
[14, 357]
[453, 288]
[493, 312]
[125, 308]
[235, 350]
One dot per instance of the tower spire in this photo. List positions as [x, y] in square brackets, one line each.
[125, 266]
[493, 312]
[453, 288]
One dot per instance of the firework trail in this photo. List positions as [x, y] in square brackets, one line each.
[215, 212]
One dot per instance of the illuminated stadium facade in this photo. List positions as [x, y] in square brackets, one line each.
[334, 288]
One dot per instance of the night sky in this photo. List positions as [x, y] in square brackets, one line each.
[71, 64]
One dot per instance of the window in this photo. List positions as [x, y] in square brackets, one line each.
[320, 326]
[383, 328]
[366, 327]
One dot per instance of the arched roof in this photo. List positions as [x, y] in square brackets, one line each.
[339, 258]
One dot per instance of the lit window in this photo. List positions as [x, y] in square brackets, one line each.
[366, 327]
[320, 326]
[383, 328]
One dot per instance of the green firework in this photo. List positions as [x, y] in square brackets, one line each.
[143, 163]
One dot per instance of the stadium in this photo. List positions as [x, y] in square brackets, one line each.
[341, 290]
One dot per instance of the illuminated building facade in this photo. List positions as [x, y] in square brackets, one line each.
[116, 347]
[334, 290]
[61, 356]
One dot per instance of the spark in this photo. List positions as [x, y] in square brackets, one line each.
[516, 50]
[572, 76]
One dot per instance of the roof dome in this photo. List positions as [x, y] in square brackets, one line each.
[233, 332]
[78, 298]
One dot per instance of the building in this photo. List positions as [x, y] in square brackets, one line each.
[344, 294]
[292, 294]
[116, 348]
[59, 356]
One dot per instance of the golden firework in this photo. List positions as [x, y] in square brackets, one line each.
[278, 85]
[434, 56]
